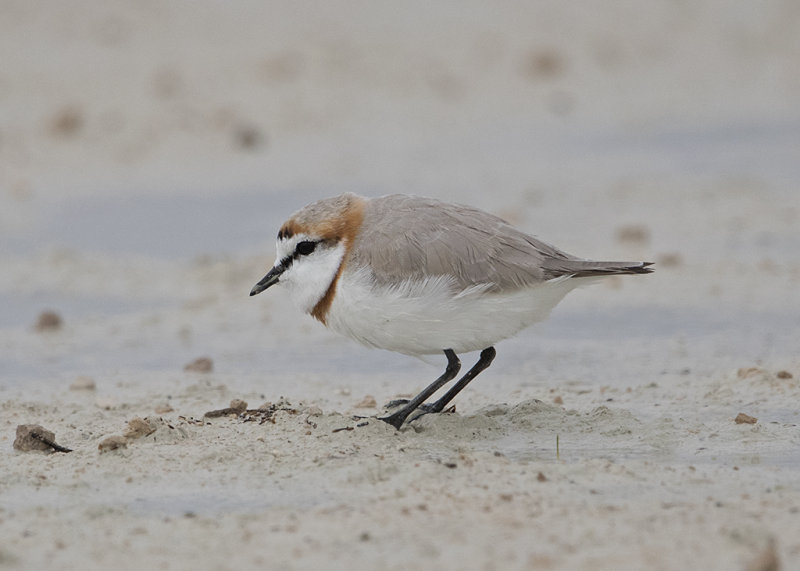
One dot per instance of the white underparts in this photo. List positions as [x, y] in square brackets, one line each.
[422, 317]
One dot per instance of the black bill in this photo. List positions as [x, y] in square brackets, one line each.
[270, 279]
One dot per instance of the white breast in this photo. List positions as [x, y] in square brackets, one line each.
[425, 317]
[309, 278]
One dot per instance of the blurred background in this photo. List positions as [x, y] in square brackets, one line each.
[149, 150]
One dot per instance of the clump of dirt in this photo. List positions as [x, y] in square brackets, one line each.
[35, 437]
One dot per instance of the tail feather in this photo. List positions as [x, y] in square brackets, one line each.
[587, 268]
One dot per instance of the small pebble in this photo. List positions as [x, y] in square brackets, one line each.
[66, 122]
[543, 64]
[163, 409]
[83, 383]
[112, 443]
[783, 375]
[48, 321]
[200, 365]
[239, 405]
[248, 137]
[32, 437]
[633, 234]
[743, 418]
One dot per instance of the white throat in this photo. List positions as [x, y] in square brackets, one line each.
[309, 277]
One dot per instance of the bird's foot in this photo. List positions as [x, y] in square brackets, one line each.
[397, 418]
[429, 408]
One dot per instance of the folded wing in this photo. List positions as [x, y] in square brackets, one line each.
[410, 237]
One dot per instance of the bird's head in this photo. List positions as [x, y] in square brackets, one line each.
[311, 248]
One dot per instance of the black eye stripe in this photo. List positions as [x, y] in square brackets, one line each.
[286, 262]
[308, 246]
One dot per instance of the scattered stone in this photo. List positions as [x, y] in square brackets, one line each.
[367, 402]
[558, 400]
[66, 122]
[163, 409]
[767, 560]
[48, 321]
[543, 64]
[83, 383]
[248, 137]
[743, 418]
[784, 375]
[36, 437]
[112, 443]
[749, 372]
[237, 406]
[200, 365]
[634, 234]
[313, 411]
[541, 477]
[138, 427]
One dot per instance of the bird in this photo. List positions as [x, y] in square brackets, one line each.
[419, 276]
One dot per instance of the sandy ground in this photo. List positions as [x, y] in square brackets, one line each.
[148, 152]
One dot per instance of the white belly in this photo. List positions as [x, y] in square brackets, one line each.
[426, 317]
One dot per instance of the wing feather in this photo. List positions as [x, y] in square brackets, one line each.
[410, 237]
[407, 237]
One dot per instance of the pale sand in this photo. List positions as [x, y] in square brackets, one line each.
[149, 152]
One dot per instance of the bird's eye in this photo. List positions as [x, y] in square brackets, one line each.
[305, 247]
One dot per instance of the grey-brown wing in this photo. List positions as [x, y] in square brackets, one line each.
[405, 236]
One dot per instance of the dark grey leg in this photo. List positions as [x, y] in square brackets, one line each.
[487, 356]
[453, 366]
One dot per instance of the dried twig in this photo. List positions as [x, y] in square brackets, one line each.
[51, 443]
